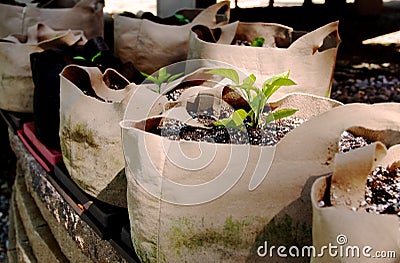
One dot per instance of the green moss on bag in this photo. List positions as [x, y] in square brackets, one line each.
[185, 234]
[81, 133]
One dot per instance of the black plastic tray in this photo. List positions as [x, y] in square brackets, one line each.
[109, 222]
[123, 244]
[15, 120]
[107, 218]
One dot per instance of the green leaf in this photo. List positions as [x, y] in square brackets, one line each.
[283, 82]
[279, 114]
[163, 76]
[238, 116]
[236, 121]
[274, 83]
[79, 58]
[162, 72]
[228, 123]
[151, 78]
[181, 18]
[250, 80]
[257, 105]
[144, 74]
[96, 56]
[258, 42]
[275, 77]
[222, 122]
[226, 73]
[173, 77]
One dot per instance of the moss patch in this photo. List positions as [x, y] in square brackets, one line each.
[79, 133]
[82, 134]
[193, 235]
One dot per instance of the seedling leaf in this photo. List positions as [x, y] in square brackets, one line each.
[236, 121]
[279, 114]
[163, 76]
[181, 18]
[174, 77]
[258, 42]
[79, 58]
[96, 56]
[226, 73]
[250, 80]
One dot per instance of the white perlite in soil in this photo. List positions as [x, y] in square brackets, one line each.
[382, 191]
[269, 136]
[349, 142]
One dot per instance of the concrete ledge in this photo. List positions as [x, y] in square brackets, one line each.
[12, 254]
[76, 239]
[44, 246]
[23, 249]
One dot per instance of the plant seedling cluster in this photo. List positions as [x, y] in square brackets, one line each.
[256, 98]
[162, 77]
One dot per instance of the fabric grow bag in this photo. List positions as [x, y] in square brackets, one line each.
[310, 58]
[16, 84]
[339, 216]
[90, 111]
[201, 201]
[150, 46]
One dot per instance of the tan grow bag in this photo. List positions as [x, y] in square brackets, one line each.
[311, 58]
[16, 84]
[150, 46]
[90, 111]
[208, 202]
[339, 217]
[86, 15]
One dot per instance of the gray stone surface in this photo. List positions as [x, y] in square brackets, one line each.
[23, 248]
[12, 255]
[44, 246]
[77, 240]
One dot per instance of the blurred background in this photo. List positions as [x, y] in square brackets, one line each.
[367, 68]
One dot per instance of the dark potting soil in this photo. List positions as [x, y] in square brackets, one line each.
[382, 191]
[271, 135]
[174, 94]
[349, 141]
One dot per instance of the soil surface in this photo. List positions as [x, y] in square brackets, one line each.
[364, 73]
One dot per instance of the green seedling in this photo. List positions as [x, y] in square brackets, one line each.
[84, 59]
[258, 42]
[182, 19]
[162, 77]
[236, 121]
[95, 56]
[255, 97]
